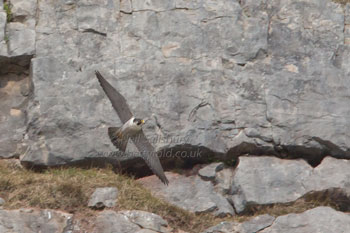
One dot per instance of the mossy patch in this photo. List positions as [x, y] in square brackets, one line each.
[7, 9]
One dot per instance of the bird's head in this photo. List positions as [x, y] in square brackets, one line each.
[139, 122]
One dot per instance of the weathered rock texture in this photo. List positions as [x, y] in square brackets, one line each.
[208, 172]
[103, 197]
[320, 219]
[256, 181]
[268, 180]
[29, 220]
[14, 89]
[251, 226]
[228, 78]
[232, 77]
[130, 221]
[17, 47]
[190, 193]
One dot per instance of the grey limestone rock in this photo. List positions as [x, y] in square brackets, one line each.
[256, 224]
[130, 221]
[253, 225]
[190, 193]
[103, 197]
[208, 172]
[21, 40]
[14, 89]
[3, 37]
[109, 221]
[233, 77]
[146, 231]
[320, 219]
[30, 220]
[223, 180]
[147, 220]
[267, 180]
[223, 227]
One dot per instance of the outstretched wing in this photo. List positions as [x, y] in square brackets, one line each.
[150, 156]
[118, 140]
[118, 101]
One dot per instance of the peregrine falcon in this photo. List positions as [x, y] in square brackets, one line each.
[132, 129]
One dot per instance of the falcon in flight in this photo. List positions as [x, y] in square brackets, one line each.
[132, 129]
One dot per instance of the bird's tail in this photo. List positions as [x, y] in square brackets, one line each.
[117, 138]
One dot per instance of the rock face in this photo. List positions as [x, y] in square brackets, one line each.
[17, 47]
[29, 220]
[251, 226]
[17, 37]
[103, 197]
[146, 220]
[14, 90]
[268, 180]
[209, 171]
[256, 181]
[230, 78]
[190, 193]
[130, 221]
[110, 221]
[320, 219]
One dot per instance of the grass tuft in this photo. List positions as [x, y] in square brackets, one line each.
[7, 9]
[69, 189]
[343, 2]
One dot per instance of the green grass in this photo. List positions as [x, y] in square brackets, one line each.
[7, 9]
[6, 38]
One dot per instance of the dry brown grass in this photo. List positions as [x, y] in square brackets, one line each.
[343, 2]
[69, 189]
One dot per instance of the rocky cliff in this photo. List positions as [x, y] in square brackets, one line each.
[262, 86]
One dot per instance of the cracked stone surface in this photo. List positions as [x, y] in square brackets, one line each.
[223, 180]
[17, 46]
[320, 219]
[21, 40]
[111, 221]
[233, 77]
[209, 171]
[190, 193]
[103, 197]
[30, 220]
[147, 220]
[14, 90]
[230, 77]
[3, 46]
[17, 38]
[267, 180]
[130, 221]
[253, 225]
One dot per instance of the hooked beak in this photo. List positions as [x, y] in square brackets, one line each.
[142, 122]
